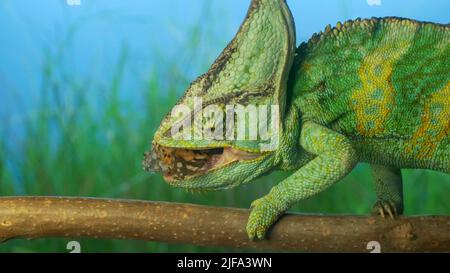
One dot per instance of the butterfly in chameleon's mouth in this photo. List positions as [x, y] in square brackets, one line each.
[182, 163]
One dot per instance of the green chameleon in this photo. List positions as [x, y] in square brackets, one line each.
[375, 91]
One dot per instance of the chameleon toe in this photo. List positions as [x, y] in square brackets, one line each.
[385, 208]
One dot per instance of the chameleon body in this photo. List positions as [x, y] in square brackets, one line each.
[375, 91]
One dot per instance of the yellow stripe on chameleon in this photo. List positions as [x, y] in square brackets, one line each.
[435, 125]
[375, 100]
[442, 45]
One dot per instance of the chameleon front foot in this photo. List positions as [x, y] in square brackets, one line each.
[265, 212]
[387, 208]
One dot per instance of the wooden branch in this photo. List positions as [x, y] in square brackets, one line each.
[38, 217]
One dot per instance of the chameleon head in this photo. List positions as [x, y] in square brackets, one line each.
[250, 73]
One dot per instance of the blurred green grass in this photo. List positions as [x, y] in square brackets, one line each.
[75, 145]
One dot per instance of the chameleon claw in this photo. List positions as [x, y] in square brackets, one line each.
[394, 207]
[382, 213]
[390, 212]
[385, 208]
[264, 214]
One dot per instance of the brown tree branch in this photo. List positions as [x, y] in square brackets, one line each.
[39, 217]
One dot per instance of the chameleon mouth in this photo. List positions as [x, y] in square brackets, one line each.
[180, 163]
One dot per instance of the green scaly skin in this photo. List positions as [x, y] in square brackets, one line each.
[374, 91]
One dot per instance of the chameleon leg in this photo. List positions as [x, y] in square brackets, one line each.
[389, 189]
[335, 158]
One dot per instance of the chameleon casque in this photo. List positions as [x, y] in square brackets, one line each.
[374, 91]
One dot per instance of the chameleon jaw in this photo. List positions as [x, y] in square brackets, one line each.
[182, 164]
